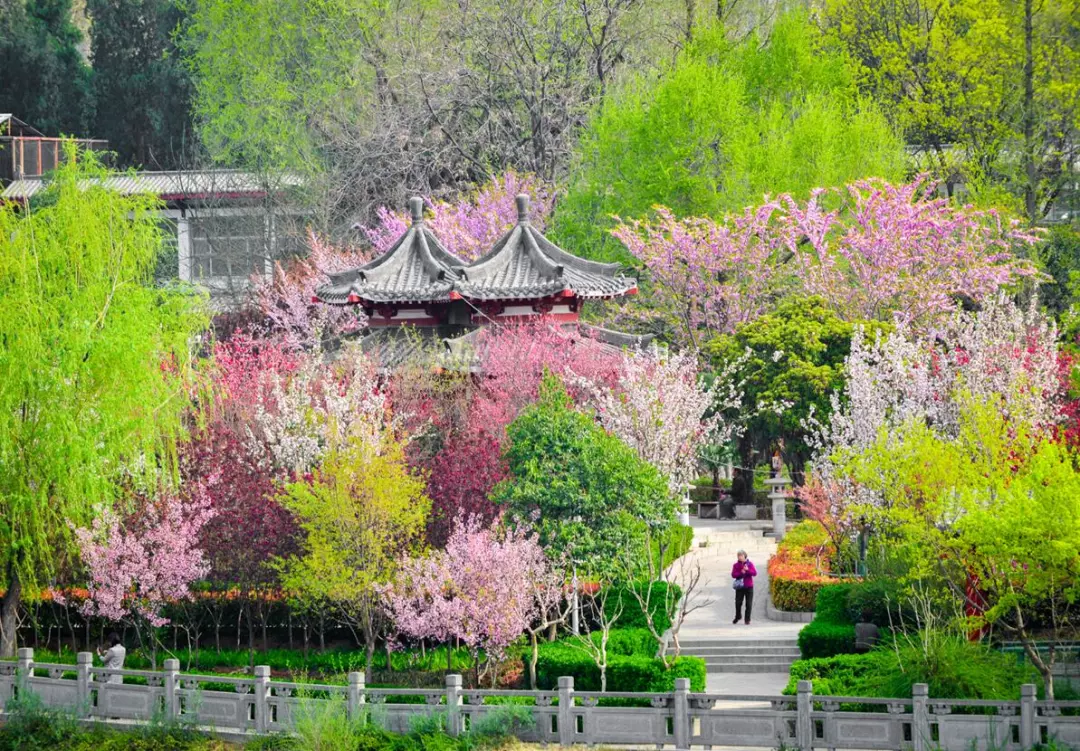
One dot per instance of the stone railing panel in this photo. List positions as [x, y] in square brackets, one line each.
[679, 719]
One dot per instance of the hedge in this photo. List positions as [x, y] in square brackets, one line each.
[823, 639]
[632, 665]
[800, 568]
[832, 631]
[633, 617]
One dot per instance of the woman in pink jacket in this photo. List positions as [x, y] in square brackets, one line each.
[742, 575]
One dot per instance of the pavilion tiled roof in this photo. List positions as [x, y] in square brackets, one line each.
[416, 269]
[524, 264]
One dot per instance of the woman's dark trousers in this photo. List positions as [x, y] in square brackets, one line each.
[746, 594]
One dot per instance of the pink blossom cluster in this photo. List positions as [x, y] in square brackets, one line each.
[142, 562]
[891, 252]
[485, 588]
[661, 408]
[285, 296]
[469, 227]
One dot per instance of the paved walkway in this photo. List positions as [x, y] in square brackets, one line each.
[714, 620]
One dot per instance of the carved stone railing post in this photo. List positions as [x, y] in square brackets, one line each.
[804, 727]
[262, 693]
[681, 707]
[25, 669]
[356, 695]
[83, 663]
[779, 497]
[453, 705]
[170, 681]
[566, 710]
[1027, 715]
[920, 717]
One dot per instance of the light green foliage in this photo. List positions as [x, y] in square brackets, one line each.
[997, 503]
[92, 364]
[587, 493]
[266, 71]
[796, 358]
[951, 75]
[723, 126]
[363, 509]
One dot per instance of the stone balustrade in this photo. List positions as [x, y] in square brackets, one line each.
[241, 707]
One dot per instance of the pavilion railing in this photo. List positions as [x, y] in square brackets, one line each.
[681, 719]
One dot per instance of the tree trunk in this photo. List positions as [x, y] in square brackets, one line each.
[251, 636]
[9, 613]
[449, 656]
[1031, 188]
[532, 660]
[369, 660]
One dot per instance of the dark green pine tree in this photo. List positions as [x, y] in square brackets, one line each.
[44, 79]
[141, 86]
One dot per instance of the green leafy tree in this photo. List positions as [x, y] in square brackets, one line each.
[586, 492]
[93, 364]
[268, 72]
[725, 125]
[990, 91]
[363, 508]
[142, 88]
[45, 81]
[791, 360]
[995, 506]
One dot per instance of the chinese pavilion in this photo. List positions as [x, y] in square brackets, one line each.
[420, 284]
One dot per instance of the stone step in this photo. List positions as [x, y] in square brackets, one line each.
[755, 667]
[689, 644]
[741, 651]
[782, 660]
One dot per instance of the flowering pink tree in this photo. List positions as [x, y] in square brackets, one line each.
[285, 296]
[661, 408]
[485, 588]
[470, 226]
[140, 563]
[512, 361]
[892, 252]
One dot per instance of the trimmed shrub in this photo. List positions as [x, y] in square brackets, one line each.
[627, 670]
[824, 639]
[800, 568]
[632, 615]
[794, 595]
[832, 604]
[875, 597]
[678, 539]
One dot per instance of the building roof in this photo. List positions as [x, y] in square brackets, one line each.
[417, 268]
[524, 264]
[173, 185]
[11, 126]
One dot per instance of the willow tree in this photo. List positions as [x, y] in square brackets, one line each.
[93, 360]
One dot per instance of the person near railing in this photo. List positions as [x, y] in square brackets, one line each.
[113, 657]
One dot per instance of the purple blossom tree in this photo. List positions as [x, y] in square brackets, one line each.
[890, 252]
[470, 226]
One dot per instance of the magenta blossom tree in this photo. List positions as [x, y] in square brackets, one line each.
[485, 588]
[892, 252]
[512, 360]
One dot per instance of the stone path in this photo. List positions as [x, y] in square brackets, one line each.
[741, 659]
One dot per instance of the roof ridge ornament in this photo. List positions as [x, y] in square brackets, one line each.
[522, 201]
[416, 208]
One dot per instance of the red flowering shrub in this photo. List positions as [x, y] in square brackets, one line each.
[801, 567]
